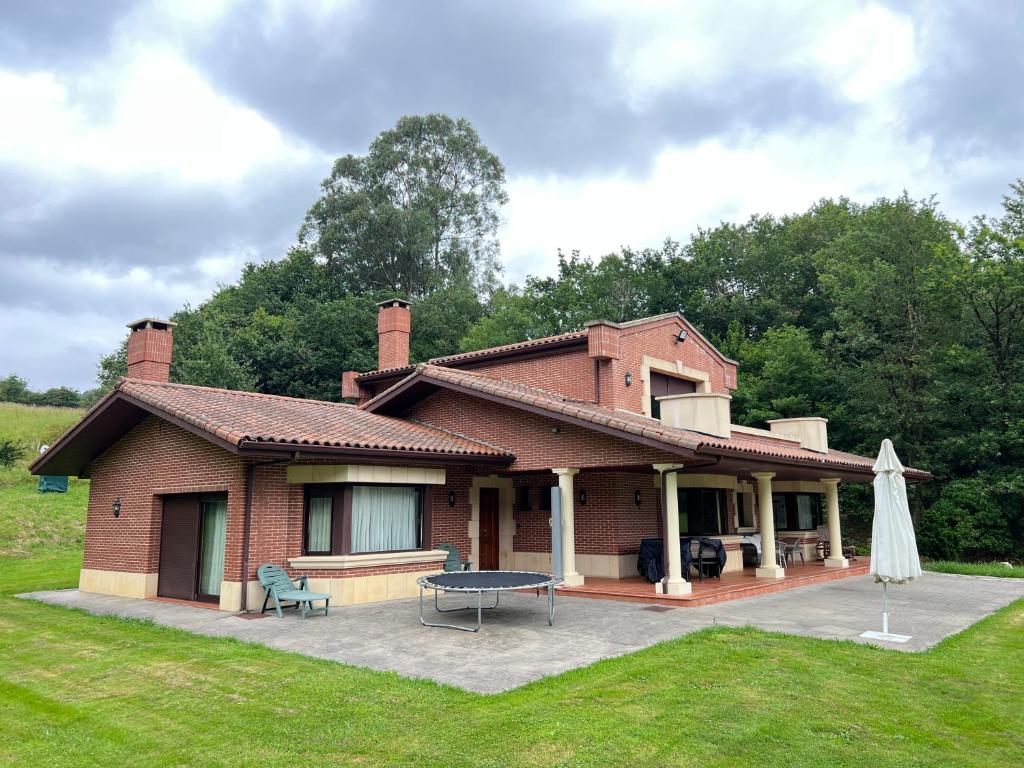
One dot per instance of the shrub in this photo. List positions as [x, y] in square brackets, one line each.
[10, 452]
[968, 522]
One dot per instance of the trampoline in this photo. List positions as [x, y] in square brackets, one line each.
[483, 581]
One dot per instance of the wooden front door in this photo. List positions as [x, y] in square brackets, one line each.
[179, 548]
[489, 529]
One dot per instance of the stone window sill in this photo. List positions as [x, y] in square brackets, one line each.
[368, 560]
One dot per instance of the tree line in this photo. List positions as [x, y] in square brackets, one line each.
[887, 318]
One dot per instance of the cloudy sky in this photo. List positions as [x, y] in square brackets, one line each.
[148, 149]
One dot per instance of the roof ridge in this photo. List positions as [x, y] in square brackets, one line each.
[236, 392]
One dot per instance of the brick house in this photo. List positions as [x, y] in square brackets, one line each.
[194, 487]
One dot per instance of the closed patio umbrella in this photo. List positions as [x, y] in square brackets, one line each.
[894, 557]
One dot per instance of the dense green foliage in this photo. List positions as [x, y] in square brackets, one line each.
[14, 389]
[886, 318]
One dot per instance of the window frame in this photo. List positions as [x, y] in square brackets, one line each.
[723, 510]
[792, 509]
[341, 500]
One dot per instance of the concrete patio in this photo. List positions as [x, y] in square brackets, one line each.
[516, 645]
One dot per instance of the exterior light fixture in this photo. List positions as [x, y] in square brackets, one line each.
[117, 507]
[556, 430]
[683, 333]
[583, 497]
[629, 379]
[451, 498]
[636, 498]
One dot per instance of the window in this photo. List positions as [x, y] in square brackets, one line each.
[701, 511]
[354, 519]
[319, 513]
[662, 385]
[523, 498]
[797, 511]
[746, 513]
[544, 498]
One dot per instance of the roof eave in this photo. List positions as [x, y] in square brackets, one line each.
[283, 450]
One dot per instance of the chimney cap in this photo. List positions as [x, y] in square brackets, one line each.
[395, 302]
[151, 322]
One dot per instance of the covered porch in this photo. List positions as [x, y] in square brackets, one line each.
[733, 585]
[604, 513]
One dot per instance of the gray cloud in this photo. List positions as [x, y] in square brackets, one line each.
[968, 97]
[45, 32]
[539, 83]
[113, 225]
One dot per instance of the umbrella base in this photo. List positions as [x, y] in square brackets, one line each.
[887, 637]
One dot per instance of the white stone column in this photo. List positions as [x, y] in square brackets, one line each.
[675, 584]
[769, 569]
[835, 558]
[569, 574]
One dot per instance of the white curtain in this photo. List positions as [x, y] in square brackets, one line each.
[319, 524]
[384, 518]
[215, 526]
[805, 512]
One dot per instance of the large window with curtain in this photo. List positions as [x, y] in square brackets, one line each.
[797, 511]
[355, 519]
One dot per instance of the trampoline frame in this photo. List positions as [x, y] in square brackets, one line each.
[424, 582]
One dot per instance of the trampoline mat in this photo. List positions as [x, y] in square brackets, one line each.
[487, 580]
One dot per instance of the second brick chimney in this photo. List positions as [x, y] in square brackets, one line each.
[149, 349]
[394, 323]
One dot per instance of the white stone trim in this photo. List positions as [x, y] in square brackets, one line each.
[367, 559]
[670, 368]
[363, 473]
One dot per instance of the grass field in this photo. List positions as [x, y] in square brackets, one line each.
[31, 522]
[82, 690]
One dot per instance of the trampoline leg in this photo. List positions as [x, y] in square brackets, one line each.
[551, 606]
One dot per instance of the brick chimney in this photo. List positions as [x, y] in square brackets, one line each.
[394, 322]
[149, 349]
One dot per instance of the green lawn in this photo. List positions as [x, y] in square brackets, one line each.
[974, 569]
[81, 690]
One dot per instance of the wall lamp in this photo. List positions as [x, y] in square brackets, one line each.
[583, 497]
[636, 498]
[116, 507]
[629, 379]
[451, 498]
[683, 333]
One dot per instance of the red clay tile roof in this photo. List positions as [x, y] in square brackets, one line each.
[519, 345]
[238, 417]
[637, 424]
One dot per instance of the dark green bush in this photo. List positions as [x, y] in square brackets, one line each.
[10, 452]
[970, 522]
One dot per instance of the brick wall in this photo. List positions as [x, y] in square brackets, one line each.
[155, 457]
[610, 523]
[569, 373]
[530, 437]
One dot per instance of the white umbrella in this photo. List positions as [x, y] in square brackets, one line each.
[893, 546]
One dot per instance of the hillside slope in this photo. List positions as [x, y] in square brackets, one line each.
[33, 522]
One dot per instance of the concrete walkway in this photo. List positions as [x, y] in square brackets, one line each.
[516, 645]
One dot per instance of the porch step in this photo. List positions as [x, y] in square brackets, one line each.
[732, 586]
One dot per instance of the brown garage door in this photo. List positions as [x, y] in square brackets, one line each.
[179, 547]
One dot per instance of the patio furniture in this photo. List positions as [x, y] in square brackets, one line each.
[282, 588]
[823, 548]
[790, 547]
[454, 562]
[693, 548]
[480, 582]
[711, 558]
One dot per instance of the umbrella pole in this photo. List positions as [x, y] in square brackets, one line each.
[885, 607]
